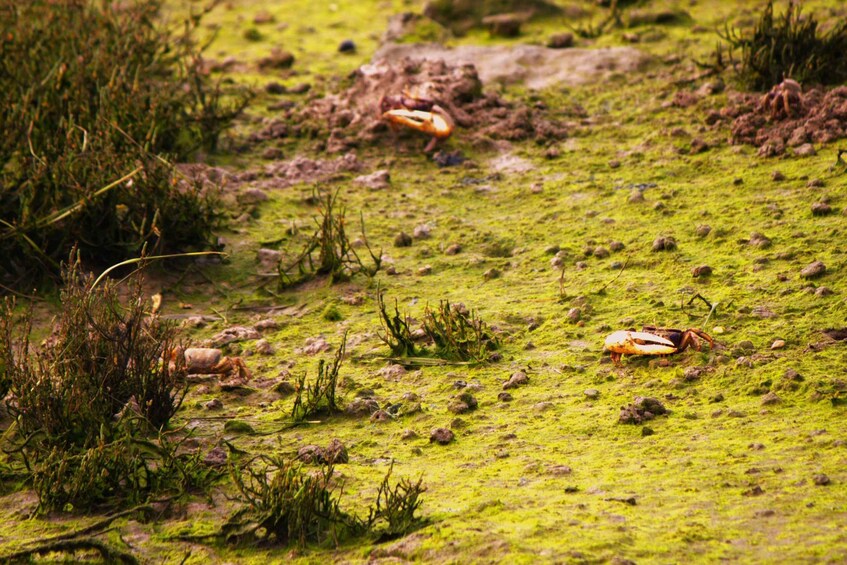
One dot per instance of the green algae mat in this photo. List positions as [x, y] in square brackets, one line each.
[621, 201]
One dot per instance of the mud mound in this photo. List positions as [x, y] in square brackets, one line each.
[353, 118]
[814, 116]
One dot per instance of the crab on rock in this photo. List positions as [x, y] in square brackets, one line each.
[652, 340]
[418, 113]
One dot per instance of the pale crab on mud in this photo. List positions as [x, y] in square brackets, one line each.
[209, 361]
[653, 340]
[418, 113]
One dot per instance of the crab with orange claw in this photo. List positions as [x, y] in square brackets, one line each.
[652, 340]
[209, 361]
[418, 113]
[783, 100]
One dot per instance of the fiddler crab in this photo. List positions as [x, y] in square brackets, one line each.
[418, 113]
[209, 361]
[654, 341]
[783, 100]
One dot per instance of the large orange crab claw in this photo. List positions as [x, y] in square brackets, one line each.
[637, 343]
[436, 123]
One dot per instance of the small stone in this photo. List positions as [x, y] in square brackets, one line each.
[698, 145]
[263, 17]
[374, 181]
[491, 274]
[560, 40]
[821, 209]
[263, 347]
[823, 291]
[701, 272]
[505, 397]
[402, 239]
[216, 457]
[813, 270]
[574, 314]
[703, 230]
[542, 406]
[777, 176]
[647, 431]
[516, 379]
[615, 164]
[778, 344]
[252, 196]
[380, 416]
[504, 25]
[759, 240]
[635, 197]
[771, 398]
[616, 246]
[278, 59]
[592, 393]
[336, 452]
[601, 252]
[408, 435]
[422, 231]
[214, 404]
[425, 270]
[664, 243]
[347, 46]
[821, 480]
[441, 436]
[815, 183]
[453, 249]
[284, 388]
[559, 470]
[805, 150]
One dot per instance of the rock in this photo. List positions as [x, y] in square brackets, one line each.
[517, 379]
[759, 240]
[423, 271]
[311, 454]
[560, 40]
[491, 273]
[462, 403]
[214, 404]
[777, 176]
[263, 17]
[313, 346]
[408, 435]
[448, 158]
[504, 25]
[441, 436]
[616, 246]
[284, 388]
[703, 230]
[592, 393]
[266, 324]
[505, 397]
[362, 407]
[771, 398]
[698, 145]
[701, 272]
[216, 457]
[453, 249]
[813, 270]
[664, 243]
[402, 239]
[278, 59]
[347, 46]
[823, 291]
[805, 150]
[574, 315]
[272, 154]
[336, 452]
[233, 334]
[559, 470]
[374, 181]
[821, 480]
[641, 410]
[380, 416]
[238, 427]
[778, 344]
[815, 183]
[422, 231]
[252, 196]
[601, 252]
[635, 197]
[263, 347]
[821, 209]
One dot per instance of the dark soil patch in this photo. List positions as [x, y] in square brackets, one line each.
[814, 116]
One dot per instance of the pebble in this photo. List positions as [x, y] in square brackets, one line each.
[491, 274]
[664, 243]
[505, 397]
[560, 40]
[778, 344]
[402, 239]
[441, 436]
[821, 479]
[701, 271]
[425, 270]
[453, 249]
[821, 209]
[347, 46]
[592, 393]
[264, 347]
[813, 270]
[517, 379]
[703, 230]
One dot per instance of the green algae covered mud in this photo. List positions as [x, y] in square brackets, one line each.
[625, 200]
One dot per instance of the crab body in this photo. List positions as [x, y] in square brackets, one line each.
[654, 341]
[783, 100]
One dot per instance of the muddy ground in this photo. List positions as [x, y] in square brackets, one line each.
[628, 192]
